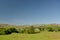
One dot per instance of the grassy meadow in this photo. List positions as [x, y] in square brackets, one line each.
[42, 32]
[38, 36]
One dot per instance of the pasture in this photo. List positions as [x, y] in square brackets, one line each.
[38, 36]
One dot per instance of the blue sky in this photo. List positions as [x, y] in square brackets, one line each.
[29, 11]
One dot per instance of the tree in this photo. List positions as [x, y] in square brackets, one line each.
[31, 30]
[50, 29]
[11, 30]
[2, 31]
[42, 28]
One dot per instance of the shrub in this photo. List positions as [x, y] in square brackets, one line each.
[2, 31]
[11, 30]
[42, 28]
[21, 30]
[50, 29]
[37, 30]
[31, 30]
[58, 29]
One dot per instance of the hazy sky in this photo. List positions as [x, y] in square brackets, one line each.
[29, 11]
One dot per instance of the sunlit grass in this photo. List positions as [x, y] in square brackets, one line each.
[39, 36]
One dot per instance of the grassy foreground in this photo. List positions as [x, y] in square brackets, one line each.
[39, 36]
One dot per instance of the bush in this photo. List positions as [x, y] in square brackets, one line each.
[21, 30]
[37, 30]
[26, 30]
[50, 29]
[31, 30]
[58, 29]
[2, 31]
[11, 30]
[42, 28]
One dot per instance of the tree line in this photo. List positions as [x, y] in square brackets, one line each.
[28, 30]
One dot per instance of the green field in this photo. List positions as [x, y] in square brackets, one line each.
[39, 36]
